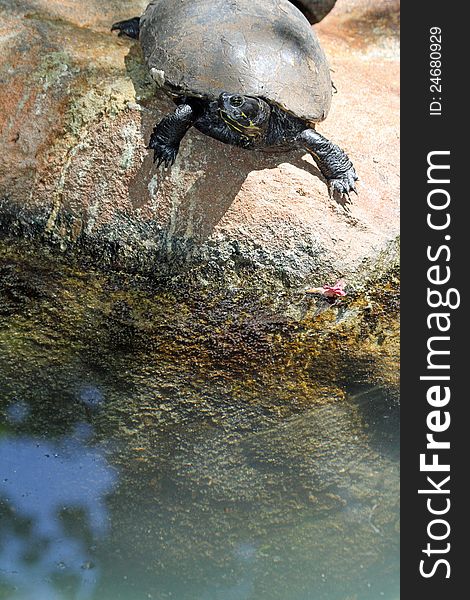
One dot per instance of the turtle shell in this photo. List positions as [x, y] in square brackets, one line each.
[263, 48]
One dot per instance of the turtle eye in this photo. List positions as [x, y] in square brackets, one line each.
[236, 101]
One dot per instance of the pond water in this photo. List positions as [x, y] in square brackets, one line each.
[127, 476]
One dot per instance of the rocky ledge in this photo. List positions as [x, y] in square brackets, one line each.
[218, 251]
[75, 175]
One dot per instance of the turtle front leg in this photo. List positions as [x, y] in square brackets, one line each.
[333, 162]
[167, 135]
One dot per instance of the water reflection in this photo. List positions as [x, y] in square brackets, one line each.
[303, 509]
[17, 412]
[53, 512]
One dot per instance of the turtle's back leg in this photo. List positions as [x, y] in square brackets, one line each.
[129, 27]
[333, 162]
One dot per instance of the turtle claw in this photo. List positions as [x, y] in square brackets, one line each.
[163, 153]
[166, 161]
[343, 185]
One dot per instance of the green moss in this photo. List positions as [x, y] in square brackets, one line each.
[53, 67]
[235, 340]
[145, 87]
[95, 100]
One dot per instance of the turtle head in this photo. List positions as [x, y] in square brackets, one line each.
[245, 114]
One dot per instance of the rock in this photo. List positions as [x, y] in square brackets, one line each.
[77, 111]
[275, 351]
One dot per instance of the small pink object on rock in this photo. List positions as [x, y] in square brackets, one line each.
[329, 291]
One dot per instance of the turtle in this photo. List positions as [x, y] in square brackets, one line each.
[250, 73]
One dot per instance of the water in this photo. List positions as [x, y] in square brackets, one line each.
[300, 511]
[127, 474]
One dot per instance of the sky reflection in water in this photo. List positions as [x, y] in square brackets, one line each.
[52, 502]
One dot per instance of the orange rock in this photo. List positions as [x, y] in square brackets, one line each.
[76, 112]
